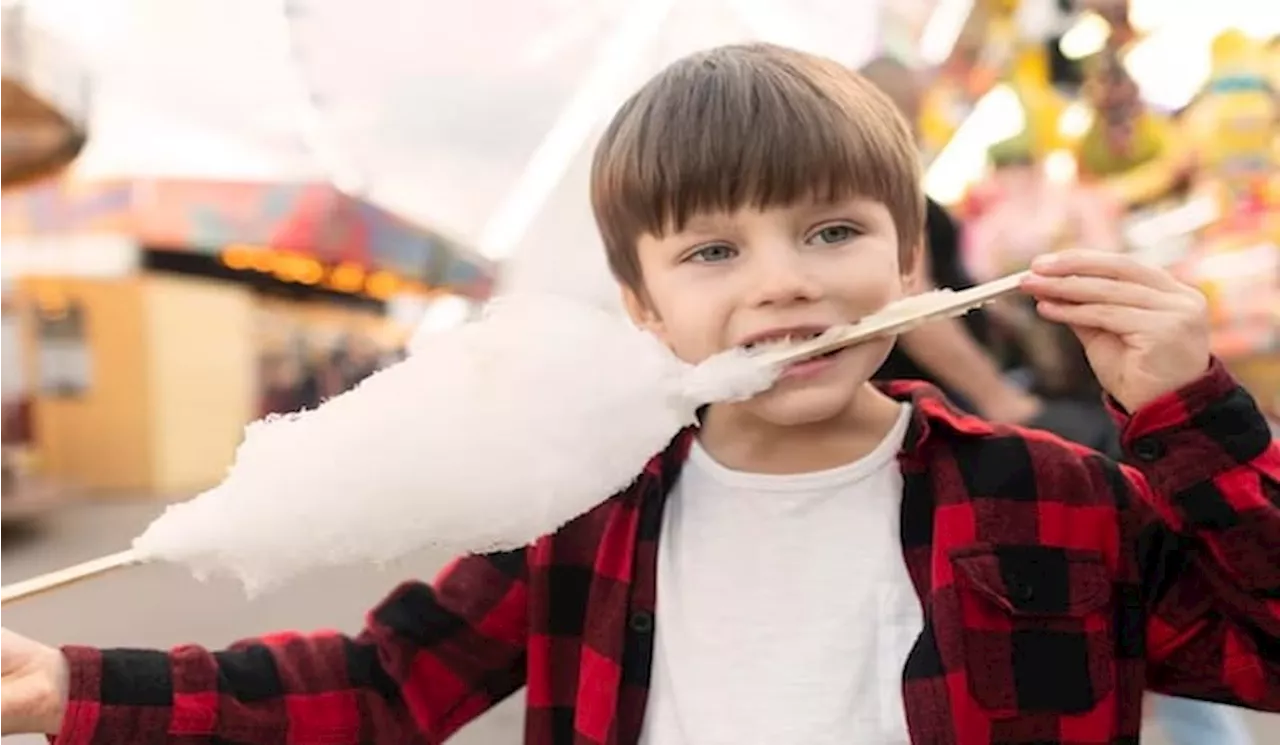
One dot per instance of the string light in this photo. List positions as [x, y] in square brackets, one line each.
[347, 277]
[382, 285]
[1087, 37]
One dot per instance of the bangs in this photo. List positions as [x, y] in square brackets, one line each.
[749, 126]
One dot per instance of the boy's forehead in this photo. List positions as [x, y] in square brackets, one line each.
[709, 220]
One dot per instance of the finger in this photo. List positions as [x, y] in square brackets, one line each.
[1107, 265]
[1115, 319]
[1082, 289]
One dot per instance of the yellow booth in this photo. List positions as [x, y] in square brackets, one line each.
[153, 316]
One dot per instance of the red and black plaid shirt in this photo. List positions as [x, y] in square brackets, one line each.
[1057, 586]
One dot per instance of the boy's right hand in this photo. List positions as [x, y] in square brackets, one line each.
[33, 686]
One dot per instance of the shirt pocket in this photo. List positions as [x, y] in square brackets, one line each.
[1036, 628]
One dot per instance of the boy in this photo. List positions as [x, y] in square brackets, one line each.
[751, 585]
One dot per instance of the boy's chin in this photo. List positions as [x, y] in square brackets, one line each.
[827, 396]
[804, 405]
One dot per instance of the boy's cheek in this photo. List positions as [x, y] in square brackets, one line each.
[873, 297]
[690, 354]
[637, 307]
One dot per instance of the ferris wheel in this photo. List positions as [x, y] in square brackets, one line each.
[45, 100]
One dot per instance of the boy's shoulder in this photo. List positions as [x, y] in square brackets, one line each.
[624, 513]
[981, 459]
[632, 513]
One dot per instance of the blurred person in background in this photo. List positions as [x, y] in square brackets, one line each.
[360, 359]
[321, 379]
[281, 379]
[952, 355]
[1025, 214]
[949, 353]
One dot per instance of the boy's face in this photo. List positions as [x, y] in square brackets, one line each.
[731, 279]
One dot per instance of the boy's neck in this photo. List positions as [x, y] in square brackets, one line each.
[743, 442]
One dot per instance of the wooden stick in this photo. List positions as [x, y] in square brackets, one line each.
[68, 575]
[899, 317]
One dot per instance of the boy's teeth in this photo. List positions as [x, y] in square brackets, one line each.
[782, 341]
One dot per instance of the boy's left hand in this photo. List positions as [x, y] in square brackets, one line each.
[1144, 332]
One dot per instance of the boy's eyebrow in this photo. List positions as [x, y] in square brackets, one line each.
[701, 223]
[710, 224]
[860, 207]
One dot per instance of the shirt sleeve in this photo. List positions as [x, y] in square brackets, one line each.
[1206, 474]
[430, 659]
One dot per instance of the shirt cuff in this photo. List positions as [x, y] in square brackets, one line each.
[1182, 441]
[80, 720]
[116, 691]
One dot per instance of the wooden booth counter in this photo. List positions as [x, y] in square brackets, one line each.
[140, 384]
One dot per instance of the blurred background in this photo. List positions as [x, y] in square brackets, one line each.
[219, 209]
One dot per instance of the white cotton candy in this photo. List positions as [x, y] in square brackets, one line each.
[488, 436]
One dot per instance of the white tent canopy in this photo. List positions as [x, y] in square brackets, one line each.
[476, 118]
[198, 89]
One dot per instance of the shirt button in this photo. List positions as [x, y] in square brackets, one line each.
[1148, 449]
[642, 622]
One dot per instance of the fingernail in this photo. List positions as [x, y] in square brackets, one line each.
[1044, 261]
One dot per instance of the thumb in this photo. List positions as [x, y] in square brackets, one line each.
[1086, 334]
[8, 655]
[33, 694]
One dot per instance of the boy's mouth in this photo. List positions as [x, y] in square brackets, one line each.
[797, 345]
[782, 338]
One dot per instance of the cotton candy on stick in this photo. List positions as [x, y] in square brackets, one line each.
[490, 435]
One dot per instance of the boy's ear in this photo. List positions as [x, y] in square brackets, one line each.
[640, 311]
[916, 274]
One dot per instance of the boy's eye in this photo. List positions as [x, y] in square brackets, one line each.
[834, 234]
[713, 253]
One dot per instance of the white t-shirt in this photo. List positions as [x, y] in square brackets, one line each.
[784, 612]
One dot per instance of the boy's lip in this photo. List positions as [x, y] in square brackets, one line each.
[783, 332]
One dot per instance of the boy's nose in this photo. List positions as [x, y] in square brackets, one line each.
[782, 279]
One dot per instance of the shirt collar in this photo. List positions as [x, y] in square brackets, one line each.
[933, 419]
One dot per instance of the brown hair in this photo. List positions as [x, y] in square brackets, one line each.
[751, 124]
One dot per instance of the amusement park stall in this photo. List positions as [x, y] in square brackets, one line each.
[1137, 127]
[155, 318]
